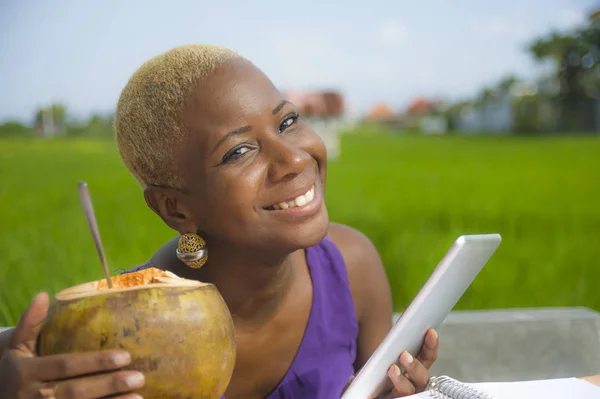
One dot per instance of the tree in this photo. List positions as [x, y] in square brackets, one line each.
[50, 120]
[15, 129]
[576, 57]
[507, 82]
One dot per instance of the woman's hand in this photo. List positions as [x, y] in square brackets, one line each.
[24, 375]
[416, 369]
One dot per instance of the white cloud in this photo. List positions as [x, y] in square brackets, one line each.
[393, 34]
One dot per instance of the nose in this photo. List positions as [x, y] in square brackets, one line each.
[287, 160]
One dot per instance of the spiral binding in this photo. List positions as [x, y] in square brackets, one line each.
[444, 387]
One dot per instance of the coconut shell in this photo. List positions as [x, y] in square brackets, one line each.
[179, 332]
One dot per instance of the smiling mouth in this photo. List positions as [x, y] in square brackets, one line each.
[297, 202]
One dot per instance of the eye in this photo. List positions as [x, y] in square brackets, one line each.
[236, 153]
[288, 121]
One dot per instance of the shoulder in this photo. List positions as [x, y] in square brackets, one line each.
[368, 280]
[355, 246]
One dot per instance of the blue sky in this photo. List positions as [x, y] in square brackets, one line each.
[373, 51]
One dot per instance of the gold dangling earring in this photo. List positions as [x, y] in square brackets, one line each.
[192, 250]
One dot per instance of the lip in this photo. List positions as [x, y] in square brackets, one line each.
[293, 195]
[304, 211]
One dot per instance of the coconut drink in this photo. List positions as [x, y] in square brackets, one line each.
[179, 332]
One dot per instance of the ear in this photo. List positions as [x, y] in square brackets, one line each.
[167, 203]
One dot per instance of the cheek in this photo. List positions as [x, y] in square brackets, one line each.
[315, 146]
[234, 192]
[319, 148]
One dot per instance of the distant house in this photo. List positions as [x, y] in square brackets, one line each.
[492, 115]
[421, 106]
[513, 107]
[423, 115]
[317, 104]
[381, 113]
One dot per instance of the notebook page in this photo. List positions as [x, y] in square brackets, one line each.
[562, 388]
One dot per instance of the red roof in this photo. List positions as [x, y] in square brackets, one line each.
[420, 105]
[381, 111]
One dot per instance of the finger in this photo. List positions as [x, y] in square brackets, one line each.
[429, 351]
[385, 389]
[63, 366]
[29, 324]
[99, 386]
[402, 385]
[415, 370]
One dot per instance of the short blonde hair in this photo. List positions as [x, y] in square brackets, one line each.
[148, 126]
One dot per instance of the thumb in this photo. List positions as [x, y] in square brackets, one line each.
[30, 323]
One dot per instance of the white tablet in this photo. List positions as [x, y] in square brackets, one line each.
[448, 282]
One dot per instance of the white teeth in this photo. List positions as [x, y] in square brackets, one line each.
[310, 195]
[300, 200]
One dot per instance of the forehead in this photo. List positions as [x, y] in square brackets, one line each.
[235, 91]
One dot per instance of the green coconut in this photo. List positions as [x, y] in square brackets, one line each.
[179, 332]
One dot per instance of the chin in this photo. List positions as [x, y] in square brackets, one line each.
[315, 233]
[306, 234]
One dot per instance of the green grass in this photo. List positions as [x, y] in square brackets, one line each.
[411, 195]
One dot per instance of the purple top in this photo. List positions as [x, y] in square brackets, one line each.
[324, 361]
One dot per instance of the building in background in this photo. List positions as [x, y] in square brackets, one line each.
[425, 115]
[317, 104]
[382, 113]
[493, 114]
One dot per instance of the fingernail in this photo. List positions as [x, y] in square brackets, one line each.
[122, 358]
[432, 339]
[134, 380]
[408, 358]
[394, 370]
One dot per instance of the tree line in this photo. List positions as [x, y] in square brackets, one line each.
[567, 98]
[54, 120]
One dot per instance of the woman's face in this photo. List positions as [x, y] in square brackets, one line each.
[255, 172]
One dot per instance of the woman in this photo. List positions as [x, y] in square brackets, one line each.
[228, 163]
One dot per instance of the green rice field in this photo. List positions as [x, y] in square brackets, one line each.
[412, 195]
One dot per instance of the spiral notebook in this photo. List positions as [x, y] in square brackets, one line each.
[444, 387]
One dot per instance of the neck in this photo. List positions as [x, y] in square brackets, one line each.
[252, 283]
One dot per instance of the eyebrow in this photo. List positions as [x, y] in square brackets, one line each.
[280, 106]
[233, 133]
